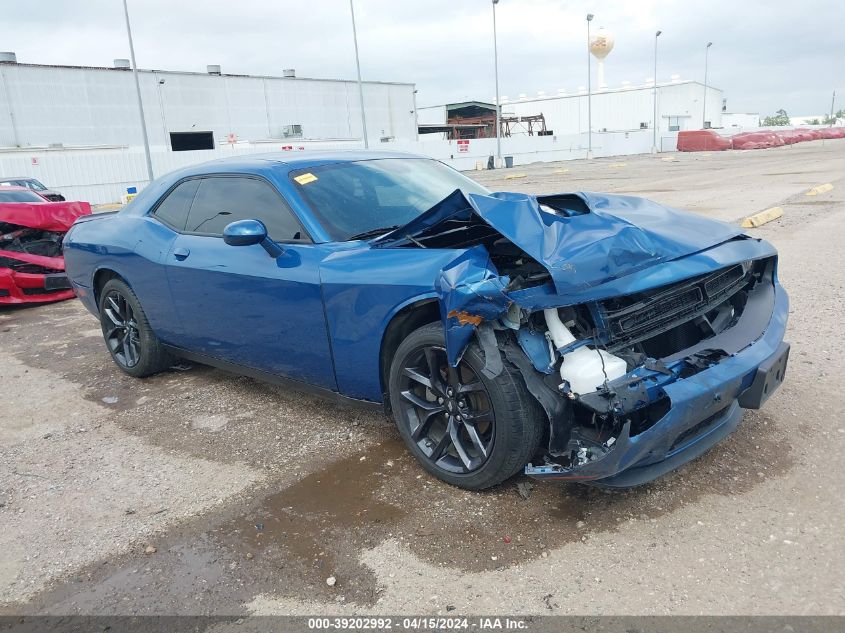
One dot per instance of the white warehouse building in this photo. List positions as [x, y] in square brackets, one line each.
[680, 106]
[71, 106]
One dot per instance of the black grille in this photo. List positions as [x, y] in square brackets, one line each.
[38, 291]
[639, 317]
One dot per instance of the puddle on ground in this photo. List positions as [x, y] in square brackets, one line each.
[290, 542]
[318, 527]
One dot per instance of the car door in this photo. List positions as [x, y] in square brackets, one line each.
[239, 304]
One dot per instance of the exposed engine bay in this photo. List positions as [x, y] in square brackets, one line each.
[610, 359]
[22, 239]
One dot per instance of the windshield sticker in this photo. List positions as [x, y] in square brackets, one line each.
[304, 179]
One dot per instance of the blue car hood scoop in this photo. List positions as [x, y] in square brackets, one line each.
[582, 239]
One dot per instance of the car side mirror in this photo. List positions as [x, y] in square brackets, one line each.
[249, 233]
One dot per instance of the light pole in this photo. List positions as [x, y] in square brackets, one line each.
[138, 91]
[832, 104]
[360, 85]
[589, 95]
[654, 95]
[704, 105]
[498, 104]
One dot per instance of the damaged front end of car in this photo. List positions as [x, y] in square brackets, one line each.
[32, 267]
[642, 331]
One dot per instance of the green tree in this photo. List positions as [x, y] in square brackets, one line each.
[813, 122]
[831, 120]
[780, 118]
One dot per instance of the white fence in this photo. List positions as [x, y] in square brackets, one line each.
[102, 175]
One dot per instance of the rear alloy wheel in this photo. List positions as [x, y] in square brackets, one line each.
[467, 429]
[121, 331]
[131, 342]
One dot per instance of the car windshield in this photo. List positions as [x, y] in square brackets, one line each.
[34, 184]
[19, 195]
[356, 199]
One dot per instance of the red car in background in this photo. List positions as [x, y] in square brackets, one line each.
[32, 268]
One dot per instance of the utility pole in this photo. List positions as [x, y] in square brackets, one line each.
[360, 85]
[654, 95]
[704, 105]
[498, 104]
[138, 91]
[589, 94]
[832, 102]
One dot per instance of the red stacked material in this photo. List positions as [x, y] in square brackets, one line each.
[32, 268]
[702, 141]
[798, 135]
[756, 140]
[832, 132]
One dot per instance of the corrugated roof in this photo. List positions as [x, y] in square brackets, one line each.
[204, 74]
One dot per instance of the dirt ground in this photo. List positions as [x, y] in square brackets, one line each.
[199, 492]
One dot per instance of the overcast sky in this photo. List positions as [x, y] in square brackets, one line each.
[766, 54]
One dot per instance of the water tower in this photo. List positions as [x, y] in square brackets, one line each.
[600, 46]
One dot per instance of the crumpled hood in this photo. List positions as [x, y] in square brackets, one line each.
[584, 239]
[47, 216]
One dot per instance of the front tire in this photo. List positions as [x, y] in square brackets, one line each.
[133, 345]
[464, 428]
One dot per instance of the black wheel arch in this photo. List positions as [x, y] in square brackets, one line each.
[406, 320]
[101, 278]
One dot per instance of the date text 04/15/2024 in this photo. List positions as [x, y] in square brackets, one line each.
[422, 623]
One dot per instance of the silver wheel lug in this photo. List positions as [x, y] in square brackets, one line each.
[440, 401]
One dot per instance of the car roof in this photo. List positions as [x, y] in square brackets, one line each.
[14, 188]
[5, 178]
[290, 160]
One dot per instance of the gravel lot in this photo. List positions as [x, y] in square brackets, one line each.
[199, 492]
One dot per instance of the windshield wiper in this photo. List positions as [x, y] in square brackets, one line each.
[372, 233]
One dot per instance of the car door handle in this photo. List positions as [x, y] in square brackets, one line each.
[181, 253]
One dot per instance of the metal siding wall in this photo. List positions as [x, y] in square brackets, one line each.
[79, 106]
[7, 130]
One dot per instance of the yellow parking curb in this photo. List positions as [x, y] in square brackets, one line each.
[820, 189]
[108, 206]
[560, 171]
[759, 219]
[618, 165]
[515, 176]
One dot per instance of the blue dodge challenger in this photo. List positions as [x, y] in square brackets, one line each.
[578, 336]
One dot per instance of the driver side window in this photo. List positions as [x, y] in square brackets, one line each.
[221, 200]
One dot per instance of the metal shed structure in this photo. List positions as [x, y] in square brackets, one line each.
[680, 106]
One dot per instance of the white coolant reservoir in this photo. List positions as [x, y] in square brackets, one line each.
[585, 369]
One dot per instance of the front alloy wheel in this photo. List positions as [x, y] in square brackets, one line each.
[464, 428]
[447, 411]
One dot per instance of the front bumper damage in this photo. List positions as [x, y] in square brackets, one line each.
[634, 265]
[702, 410]
[32, 268]
[32, 279]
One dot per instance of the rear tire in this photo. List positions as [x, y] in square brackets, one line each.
[133, 345]
[464, 428]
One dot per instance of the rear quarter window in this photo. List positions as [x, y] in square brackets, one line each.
[173, 209]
